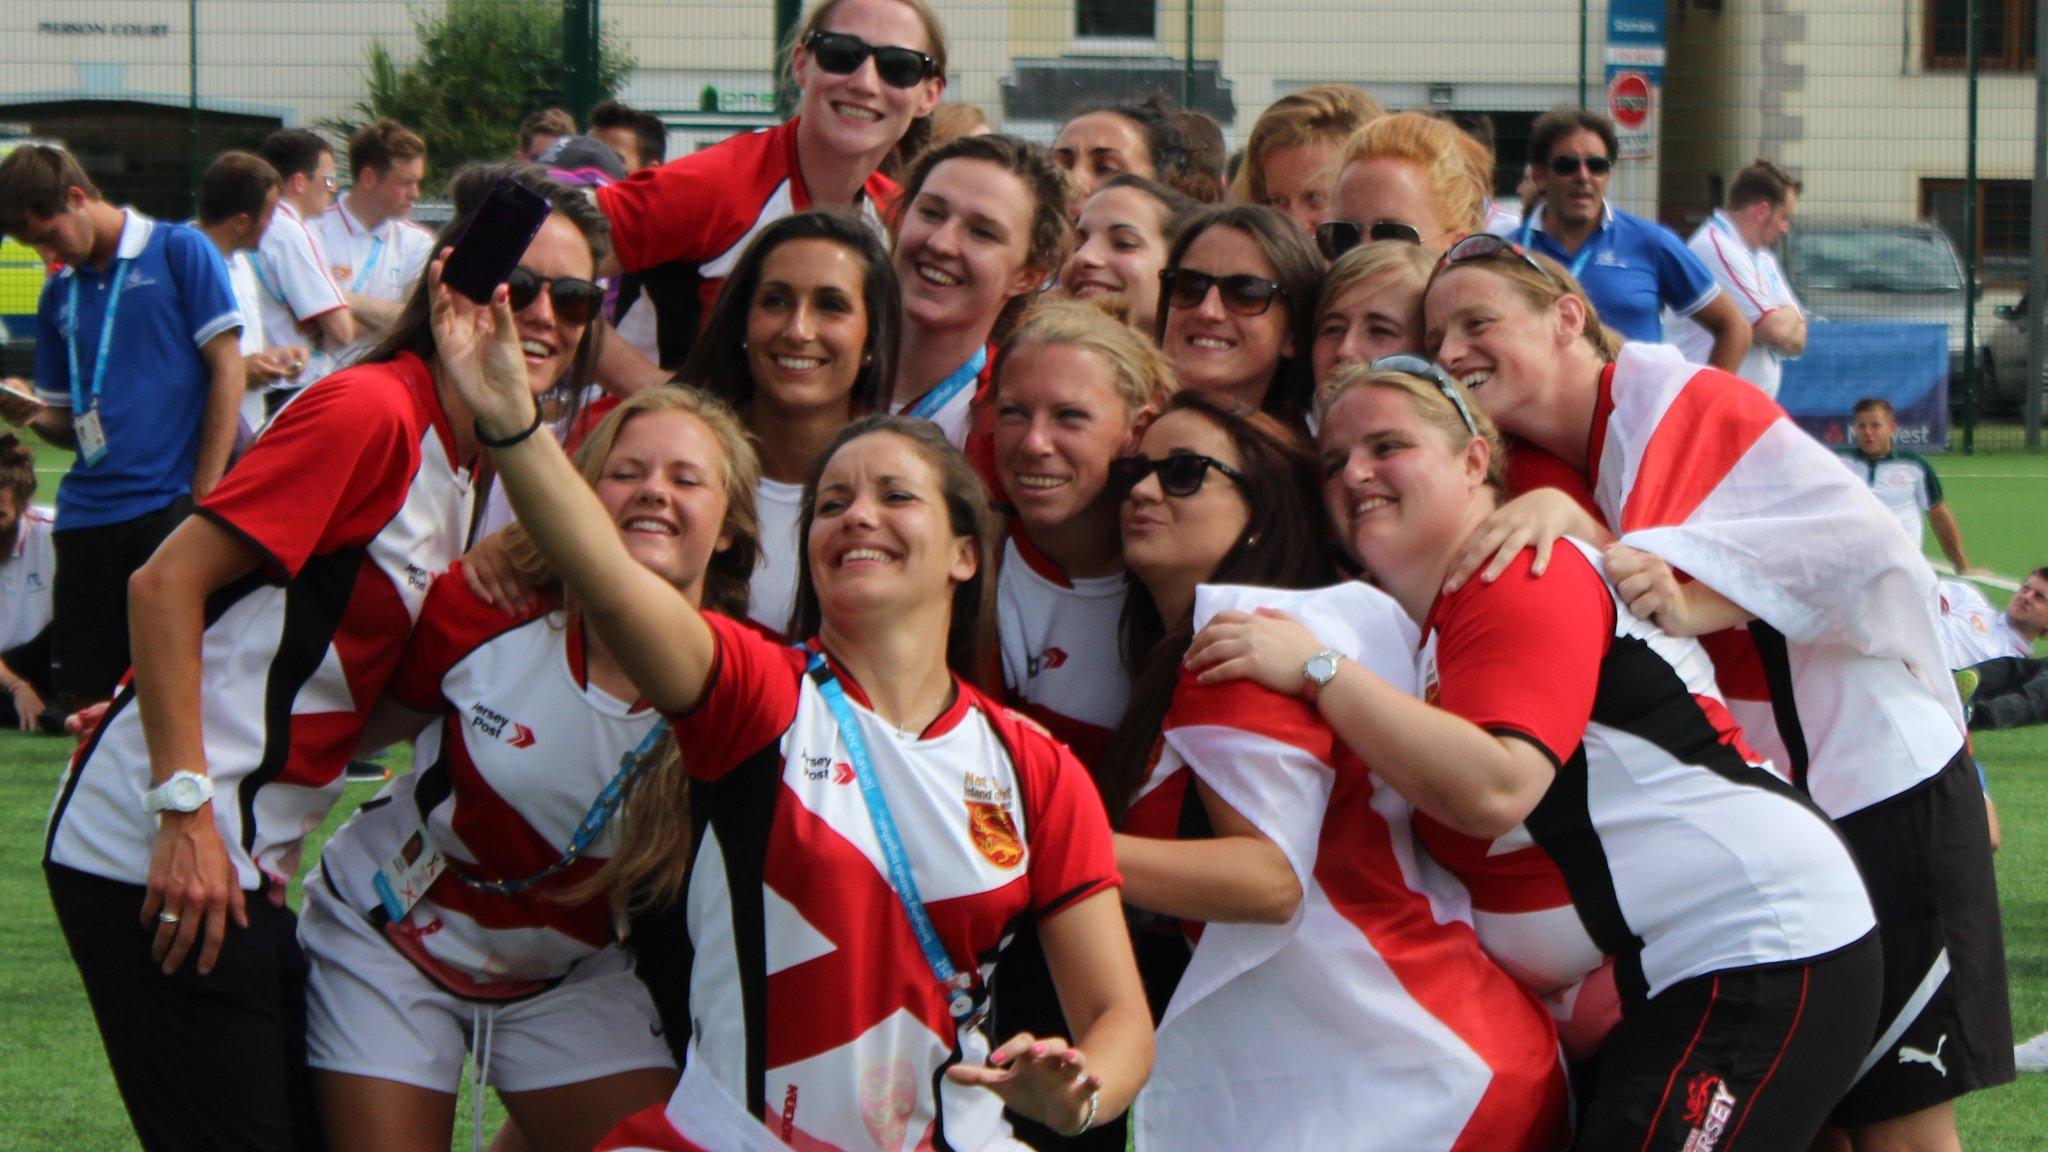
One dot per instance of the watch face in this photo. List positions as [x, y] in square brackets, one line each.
[1321, 668]
[184, 794]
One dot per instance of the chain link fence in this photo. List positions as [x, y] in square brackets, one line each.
[1869, 102]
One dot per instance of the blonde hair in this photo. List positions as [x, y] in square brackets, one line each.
[1401, 264]
[1437, 411]
[1318, 114]
[1458, 168]
[1540, 291]
[1142, 374]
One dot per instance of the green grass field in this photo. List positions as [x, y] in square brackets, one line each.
[59, 1095]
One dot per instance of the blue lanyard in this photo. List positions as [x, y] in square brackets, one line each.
[1586, 250]
[376, 252]
[929, 405]
[631, 765]
[958, 986]
[99, 364]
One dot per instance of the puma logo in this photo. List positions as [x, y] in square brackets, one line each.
[1931, 1059]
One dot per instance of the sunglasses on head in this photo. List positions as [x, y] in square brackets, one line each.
[1243, 294]
[1336, 237]
[1417, 366]
[841, 55]
[576, 301]
[1484, 245]
[1180, 474]
[1570, 165]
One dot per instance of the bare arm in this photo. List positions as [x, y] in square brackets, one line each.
[1730, 331]
[1237, 876]
[1949, 535]
[1782, 328]
[376, 315]
[1653, 591]
[225, 385]
[20, 407]
[1536, 519]
[337, 327]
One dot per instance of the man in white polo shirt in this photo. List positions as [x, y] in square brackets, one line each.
[301, 306]
[1735, 245]
[373, 251]
[1904, 481]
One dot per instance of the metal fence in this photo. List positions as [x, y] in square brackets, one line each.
[1874, 104]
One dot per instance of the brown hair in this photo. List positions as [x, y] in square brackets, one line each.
[17, 468]
[1318, 114]
[1051, 236]
[970, 636]
[1762, 180]
[1563, 121]
[236, 182]
[1201, 139]
[546, 122]
[1875, 404]
[1458, 168]
[1142, 374]
[1540, 291]
[934, 31]
[1407, 265]
[1436, 410]
[1285, 550]
[650, 135]
[34, 179]
[380, 144]
[1299, 271]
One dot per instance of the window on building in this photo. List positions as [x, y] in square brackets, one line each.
[2004, 211]
[2007, 36]
[1116, 19]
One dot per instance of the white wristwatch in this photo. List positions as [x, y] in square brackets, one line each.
[183, 792]
[1317, 671]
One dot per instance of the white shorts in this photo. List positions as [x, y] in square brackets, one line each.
[371, 1012]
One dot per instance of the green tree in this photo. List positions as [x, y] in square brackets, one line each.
[483, 65]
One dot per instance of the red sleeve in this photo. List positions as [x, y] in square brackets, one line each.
[453, 623]
[749, 702]
[692, 207]
[1530, 468]
[1522, 655]
[329, 473]
[1071, 854]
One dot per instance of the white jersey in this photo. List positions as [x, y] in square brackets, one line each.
[297, 287]
[26, 576]
[382, 263]
[527, 745]
[1972, 631]
[1062, 665]
[771, 594]
[1750, 277]
[248, 300]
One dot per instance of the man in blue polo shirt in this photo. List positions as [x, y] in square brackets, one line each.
[1631, 268]
[139, 370]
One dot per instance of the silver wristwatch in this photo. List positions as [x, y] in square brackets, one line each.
[183, 792]
[1317, 671]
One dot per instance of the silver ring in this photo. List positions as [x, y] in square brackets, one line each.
[167, 917]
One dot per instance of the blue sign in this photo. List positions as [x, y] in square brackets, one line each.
[1906, 364]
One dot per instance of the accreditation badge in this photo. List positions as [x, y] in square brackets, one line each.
[92, 439]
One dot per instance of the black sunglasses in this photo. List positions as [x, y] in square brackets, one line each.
[1428, 370]
[841, 55]
[576, 301]
[1336, 237]
[1569, 165]
[1180, 474]
[1483, 245]
[1243, 294]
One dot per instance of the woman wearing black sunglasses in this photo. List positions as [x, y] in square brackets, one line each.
[1236, 302]
[1304, 1018]
[1407, 177]
[866, 69]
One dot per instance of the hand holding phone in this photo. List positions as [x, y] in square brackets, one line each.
[495, 238]
[18, 402]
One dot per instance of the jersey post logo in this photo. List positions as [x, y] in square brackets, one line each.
[1708, 1106]
[499, 726]
[989, 823]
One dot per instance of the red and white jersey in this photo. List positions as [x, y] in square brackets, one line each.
[26, 576]
[1664, 841]
[1696, 466]
[382, 263]
[1062, 664]
[701, 210]
[1372, 1019]
[1972, 631]
[771, 594]
[527, 745]
[813, 1005]
[295, 286]
[354, 500]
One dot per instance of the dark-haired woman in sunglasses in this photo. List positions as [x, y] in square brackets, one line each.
[265, 629]
[1327, 1003]
[866, 69]
[1407, 177]
[1236, 301]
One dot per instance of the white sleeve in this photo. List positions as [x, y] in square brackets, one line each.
[1735, 270]
[294, 271]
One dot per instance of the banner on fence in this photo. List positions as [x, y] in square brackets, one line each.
[1906, 364]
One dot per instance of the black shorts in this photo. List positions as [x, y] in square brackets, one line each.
[1945, 1027]
[1750, 1058]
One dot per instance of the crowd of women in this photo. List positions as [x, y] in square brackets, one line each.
[1060, 664]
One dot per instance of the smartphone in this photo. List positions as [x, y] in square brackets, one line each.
[495, 238]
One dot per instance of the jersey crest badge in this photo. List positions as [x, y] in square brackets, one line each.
[994, 834]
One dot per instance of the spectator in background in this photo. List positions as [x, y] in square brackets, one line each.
[1972, 631]
[238, 196]
[1203, 181]
[1904, 481]
[2012, 686]
[1141, 139]
[1499, 221]
[28, 570]
[139, 368]
[640, 138]
[1735, 245]
[301, 307]
[1291, 159]
[373, 251]
[539, 131]
[1632, 268]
